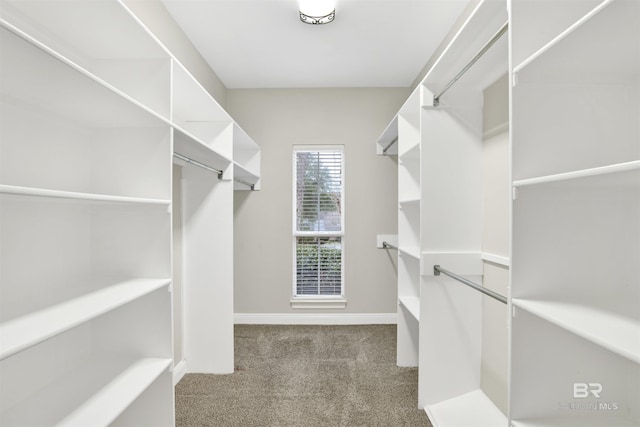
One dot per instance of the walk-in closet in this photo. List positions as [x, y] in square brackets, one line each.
[370, 212]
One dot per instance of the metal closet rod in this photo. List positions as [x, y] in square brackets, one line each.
[437, 270]
[485, 48]
[197, 163]
[393, 141]
[386, 245]
[248, 184]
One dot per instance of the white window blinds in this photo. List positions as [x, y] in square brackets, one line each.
[319, 221]
[319, 191]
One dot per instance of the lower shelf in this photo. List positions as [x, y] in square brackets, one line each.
[94, 394]
[473, 409]
[412, 304]
[595, 421]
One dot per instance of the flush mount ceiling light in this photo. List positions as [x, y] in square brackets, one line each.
[317, 12]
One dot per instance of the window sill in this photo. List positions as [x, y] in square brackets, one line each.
[322, 303]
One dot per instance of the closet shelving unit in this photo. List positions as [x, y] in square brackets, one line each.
[452, 336]
[440, 154]
[86, 244]
[576, 209]
[90, 118]
[401, 138]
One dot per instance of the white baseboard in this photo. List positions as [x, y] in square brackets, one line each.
[178, 371]
[315, 318]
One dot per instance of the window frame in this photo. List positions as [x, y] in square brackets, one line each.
[317, 301]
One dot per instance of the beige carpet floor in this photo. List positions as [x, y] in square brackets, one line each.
[305, 376]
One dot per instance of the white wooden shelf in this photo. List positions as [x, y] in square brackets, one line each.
[411, 251]
[412, 304]
[622, 174]
[615, 332]
[409, 202]
[583, 421]
[389, 134]
[473, 409]
[496, 259]
[87, 197]
[70, 90]
[94, 394]
[241, 172]
[480, 26]
[411, 154]
[26, 331]
[246, 153]
[189, 145]
[566, 56]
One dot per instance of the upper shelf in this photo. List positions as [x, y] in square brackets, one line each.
[84, 31]
[131, 63]
[130, 58]
[246, 157]
[389, 138]
[63, 91]
[612, 58]
[486, 19]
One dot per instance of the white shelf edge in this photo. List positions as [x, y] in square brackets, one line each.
[575, 421]
[496, 259]
[412, 154]
[562, 36]
[585, 322]
[200, 143]
[92, 197]
[389, 134]
[412, 304]
[409, 201]
[116, 396]
[46, 49]
[472, 409]
[244, 173]
[96, 392]
[413, 252]
[584, 173]
[243, 138]
[27, 331]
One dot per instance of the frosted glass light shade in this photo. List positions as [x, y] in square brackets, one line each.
[317, 11]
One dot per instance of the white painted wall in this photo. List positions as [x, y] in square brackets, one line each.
[495, 240]
[156, 17]
[279, 118]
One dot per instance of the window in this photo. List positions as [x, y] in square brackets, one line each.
[318, 223]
